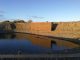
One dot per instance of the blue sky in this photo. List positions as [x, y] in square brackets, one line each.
[41, 10]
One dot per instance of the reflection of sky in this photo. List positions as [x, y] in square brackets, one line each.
[25, 46]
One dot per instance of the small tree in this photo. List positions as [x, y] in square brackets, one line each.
[6, 21]
[46, 21]
[19, 21]
[29, 21]
[13, 26]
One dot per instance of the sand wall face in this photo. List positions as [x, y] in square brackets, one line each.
[23, 27]
[68, 26]
[6, 26]
[60, 29]
[68, 29]
[41, 26]
[33, 27]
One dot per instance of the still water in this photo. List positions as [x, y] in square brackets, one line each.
[21, 43]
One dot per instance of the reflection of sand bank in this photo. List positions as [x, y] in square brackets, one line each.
[66, 43]
[45, 41]
[35, 40]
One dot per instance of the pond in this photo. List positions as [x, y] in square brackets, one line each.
[23, 43]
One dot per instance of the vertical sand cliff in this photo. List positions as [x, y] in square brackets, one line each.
[58, 29]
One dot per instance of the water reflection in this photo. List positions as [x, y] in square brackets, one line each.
[35, 39]
[47, 42]
[29, 43]
[7, 35]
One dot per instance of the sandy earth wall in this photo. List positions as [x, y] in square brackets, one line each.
[63, 29]
[33, 27]
[67, 29]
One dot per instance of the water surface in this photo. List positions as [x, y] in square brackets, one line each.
[21, 43]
